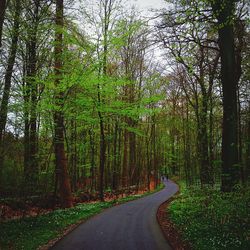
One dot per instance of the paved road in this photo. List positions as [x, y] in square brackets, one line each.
[130, 226]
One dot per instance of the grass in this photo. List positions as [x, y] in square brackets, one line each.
[30, 233]
[209, 219]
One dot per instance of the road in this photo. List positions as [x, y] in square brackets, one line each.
[130, 226]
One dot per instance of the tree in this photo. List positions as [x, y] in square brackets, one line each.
[31, 168]
[61, 160]
[192, 45]
[225, 11]
[2, 13]
[8, 77]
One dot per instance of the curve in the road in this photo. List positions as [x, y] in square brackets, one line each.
[130, 226]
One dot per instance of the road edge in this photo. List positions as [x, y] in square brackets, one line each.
[169, 230]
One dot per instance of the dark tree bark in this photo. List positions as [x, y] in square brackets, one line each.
[102, 154]
[73, 155]
[115, 160]
[30, 160]
[239, 47]
[2, 14]
[8, 77]
[248, 145]
[230, 165]
[92, 158]
[61, 160]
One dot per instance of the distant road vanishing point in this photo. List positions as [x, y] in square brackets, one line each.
[130, 226]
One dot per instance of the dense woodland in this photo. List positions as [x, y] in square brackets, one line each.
[97, 98]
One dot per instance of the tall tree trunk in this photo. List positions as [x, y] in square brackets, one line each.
[102, 155]
[132, 153]
[154, 156]
[2, 14]
[187, 147]
[125, 159]
[92, 158]
[247, 171]
[31, 164]
[205, 171]
[73, 155]
[239, 34]
[230, 168]
[107, 4]
[61, 160]
[7, 79]
[115, 161]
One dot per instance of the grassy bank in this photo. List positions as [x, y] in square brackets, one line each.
[30, 233]
[209, 219]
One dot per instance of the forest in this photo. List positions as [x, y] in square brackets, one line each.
[98, 101]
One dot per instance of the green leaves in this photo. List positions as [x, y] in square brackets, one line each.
[210, 219]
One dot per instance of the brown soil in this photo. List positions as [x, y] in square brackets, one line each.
[172, 234]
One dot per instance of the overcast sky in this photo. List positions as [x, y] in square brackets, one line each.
[147, 4]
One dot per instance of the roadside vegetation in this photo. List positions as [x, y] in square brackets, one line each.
[210, 219]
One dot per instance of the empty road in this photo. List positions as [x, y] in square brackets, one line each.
[130, 226]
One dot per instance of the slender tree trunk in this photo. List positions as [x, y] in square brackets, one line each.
[205, 171]
[187, 148]
[107, 4]
[125, 159]
[92, 157]
[119, 157]
[7, 80]
[31, 163]
[73, 154]
[230, 164]
[2, 14]
[102, 155]
[61, 160]
[132, 154]
[114, 179]
[154, 156]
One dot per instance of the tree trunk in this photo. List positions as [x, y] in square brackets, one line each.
[92, 158]
[2, 14]
[31, 164]
[132, 153]
[125, 159]
[230, 166]
[247, 171]
[205, 171]
[61, 160]
[102, 155]
[7, 80]
[115, 161]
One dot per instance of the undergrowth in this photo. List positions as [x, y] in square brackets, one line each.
[211, 220]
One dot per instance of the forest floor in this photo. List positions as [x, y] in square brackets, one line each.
[19, 226]
[207, 219]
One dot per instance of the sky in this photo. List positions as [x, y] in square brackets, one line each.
[147, 4]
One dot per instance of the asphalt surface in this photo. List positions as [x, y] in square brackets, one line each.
[130, 226]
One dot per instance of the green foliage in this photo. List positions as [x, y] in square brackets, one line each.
[210, 219]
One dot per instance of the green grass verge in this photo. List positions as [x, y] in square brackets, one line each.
[212, 220]
[30, 233]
